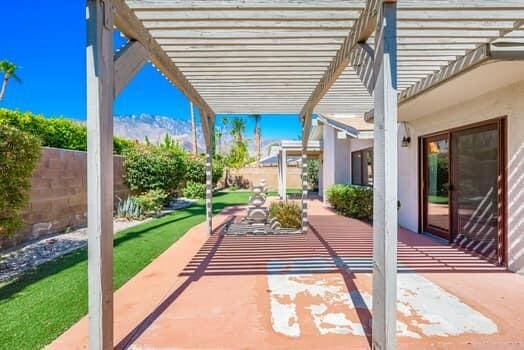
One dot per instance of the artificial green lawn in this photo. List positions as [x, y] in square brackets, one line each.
[438, 199]
[42, 304]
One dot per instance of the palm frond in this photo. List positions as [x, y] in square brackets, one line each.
[16, 77]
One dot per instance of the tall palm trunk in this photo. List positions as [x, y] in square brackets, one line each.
[4, 86]
[193, 131]
[258, 144]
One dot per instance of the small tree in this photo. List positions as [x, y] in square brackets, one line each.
[149, 167]
[312, 173]
[19, 153]
[9, 70]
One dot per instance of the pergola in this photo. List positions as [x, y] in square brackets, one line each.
[284, 56]
[292, 148]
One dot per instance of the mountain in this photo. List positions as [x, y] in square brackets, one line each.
[155, 127]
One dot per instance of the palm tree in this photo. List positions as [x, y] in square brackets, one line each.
[193, 131]
[8, 69]
[238, 126]
[256, 118]
[218, 136]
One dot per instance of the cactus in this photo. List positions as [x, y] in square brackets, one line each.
[129, 209]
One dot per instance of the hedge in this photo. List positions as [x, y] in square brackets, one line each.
[196, 170]
[353, 201]
[19, 153]
[56, 132]
[150, 167]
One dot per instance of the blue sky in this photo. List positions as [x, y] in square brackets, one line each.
[46, 38]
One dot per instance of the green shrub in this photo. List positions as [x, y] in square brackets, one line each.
[55, 132]
[149, 167]
[194, 190]
[196, 170]
[19, 153]
[129, 209]
[352, 201]
[152, 201]
[122, 146]
[288, 214]
[312, 173]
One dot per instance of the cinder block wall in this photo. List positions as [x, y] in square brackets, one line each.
[58, 197]
[248, 176]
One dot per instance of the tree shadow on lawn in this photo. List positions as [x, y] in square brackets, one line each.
[10, 289]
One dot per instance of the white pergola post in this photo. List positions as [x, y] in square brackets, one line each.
[284, 175]
[279, 173]
[385, 181]
[207, 128]
[100, 94]
[304, 189]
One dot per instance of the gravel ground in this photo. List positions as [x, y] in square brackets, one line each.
[20, 259]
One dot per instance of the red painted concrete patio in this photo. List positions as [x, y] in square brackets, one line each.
[310, 292]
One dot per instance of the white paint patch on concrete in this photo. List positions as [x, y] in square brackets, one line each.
[284, 318]
[334, 322]
[444, 314]
[429, 309]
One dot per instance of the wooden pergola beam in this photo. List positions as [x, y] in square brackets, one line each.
[128, 61]
[460, 66]
[385, 165]
[100, 95]
[360, 32]
[132, 27]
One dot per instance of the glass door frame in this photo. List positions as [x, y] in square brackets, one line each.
[426, 227]
[501, 124]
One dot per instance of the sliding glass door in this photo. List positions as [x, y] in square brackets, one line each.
[475, 200]
[463, 188]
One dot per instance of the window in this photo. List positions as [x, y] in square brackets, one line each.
[362, 167]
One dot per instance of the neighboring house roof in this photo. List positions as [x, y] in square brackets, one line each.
[272, 160]
[351, 124]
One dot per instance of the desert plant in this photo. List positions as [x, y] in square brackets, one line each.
[129, 209]
[9, 70]
[289, 214]
[149, 167]
[194, 190]
[19, 153]
[353, 201]
[152, 201]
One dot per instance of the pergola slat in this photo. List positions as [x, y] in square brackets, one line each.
[130, 25]
[290, 56]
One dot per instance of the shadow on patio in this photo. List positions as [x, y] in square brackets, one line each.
[311, 291]
[334, 245]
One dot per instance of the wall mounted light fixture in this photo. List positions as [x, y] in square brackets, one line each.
[406, 139]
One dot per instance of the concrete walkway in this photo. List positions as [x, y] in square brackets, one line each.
[310, 292]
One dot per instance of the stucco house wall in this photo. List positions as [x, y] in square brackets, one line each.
[507, 101]
[336, 164]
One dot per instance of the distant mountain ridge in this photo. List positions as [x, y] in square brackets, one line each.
[155, 127]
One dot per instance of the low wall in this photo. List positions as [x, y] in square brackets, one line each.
[58, 197]
[246, 177]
